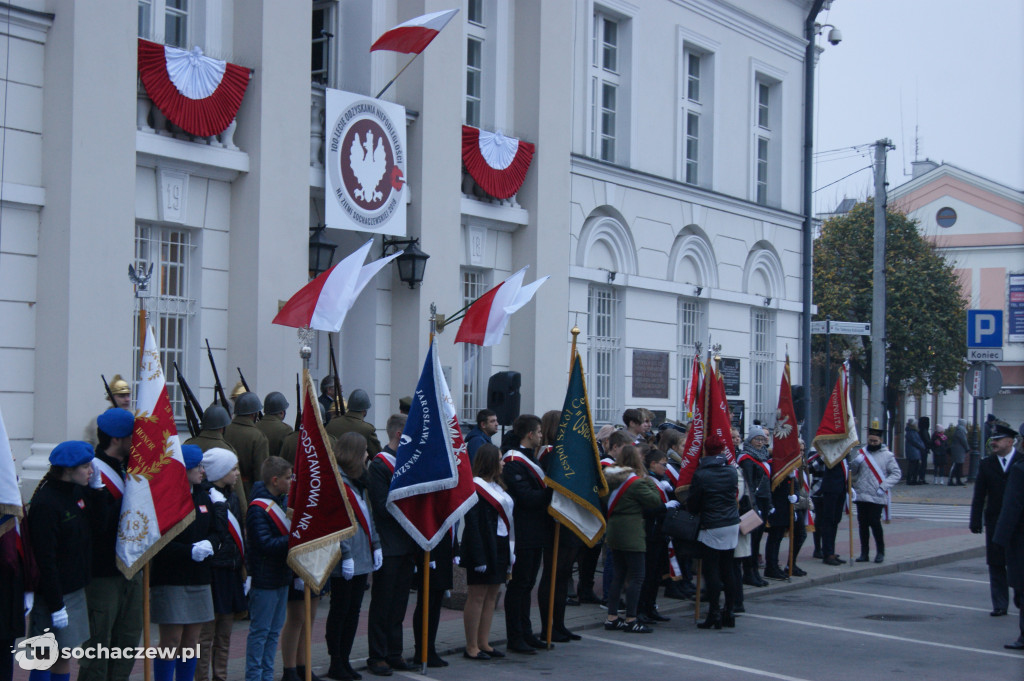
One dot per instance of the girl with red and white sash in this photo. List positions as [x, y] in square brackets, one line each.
[875, 472]
[658, 560]
[226, 572]
[632, 493]
[360, 555]
[487, 551]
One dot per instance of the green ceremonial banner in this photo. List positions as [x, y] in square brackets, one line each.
[575, 475]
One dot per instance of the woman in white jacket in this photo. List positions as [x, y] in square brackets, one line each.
[875, 472]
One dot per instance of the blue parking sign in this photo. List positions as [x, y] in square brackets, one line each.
[984, 328]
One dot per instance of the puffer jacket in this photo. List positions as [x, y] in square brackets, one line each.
[760, 483]
[865, 485]
[713, 493]
[626, 524]
[266, 547]
[913, 445]
[358, 547]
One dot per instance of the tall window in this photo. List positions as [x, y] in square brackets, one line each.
[693, 109]
[608, 62]
[170, 308]
[473, 397]
[165, 21]
[321, 44]
[604, 349]
[764, 385]
[692, 328]
[766, 142]
[476, 40]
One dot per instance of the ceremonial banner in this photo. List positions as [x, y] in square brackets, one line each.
[785, 435]
[432, 486]
[718, 421]
[692, 387]
[157, 502]
[575, 476]
[693, 446]
[10, 495]
[321, 514]
[837, 433]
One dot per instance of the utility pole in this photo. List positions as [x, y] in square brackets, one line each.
[876, 415]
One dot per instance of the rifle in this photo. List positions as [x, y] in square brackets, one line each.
[110, 395]
[190, 403]
[218, 393]
[245, 384]
[298, 404]
[339, 403]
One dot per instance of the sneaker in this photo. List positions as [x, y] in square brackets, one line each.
[614, 625]
[636, 627]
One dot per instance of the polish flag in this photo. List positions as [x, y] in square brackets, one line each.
[323, 303]
[486, 319]
[413, 36]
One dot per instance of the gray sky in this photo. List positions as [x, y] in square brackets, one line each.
[953, 68]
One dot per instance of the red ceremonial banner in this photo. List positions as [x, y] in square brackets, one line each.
[718, 419]
[693, 446]
[785, 434]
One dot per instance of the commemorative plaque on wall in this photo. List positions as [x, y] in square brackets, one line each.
[650, 374]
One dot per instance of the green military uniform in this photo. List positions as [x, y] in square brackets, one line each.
[275, 431]
[352, 422]
[208, 439]
[251, 447]
[290, 444]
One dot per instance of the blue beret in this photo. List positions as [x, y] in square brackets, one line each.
[116, 422]
[193, 456]
[71, 453]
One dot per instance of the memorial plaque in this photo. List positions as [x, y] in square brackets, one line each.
[730, 369]
[650, 374]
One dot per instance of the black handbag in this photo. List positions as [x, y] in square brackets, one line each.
[681, 525]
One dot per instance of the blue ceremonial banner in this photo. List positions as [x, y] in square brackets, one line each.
[432, 486]
[575, 475]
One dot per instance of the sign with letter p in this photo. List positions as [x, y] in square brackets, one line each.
[984, 328]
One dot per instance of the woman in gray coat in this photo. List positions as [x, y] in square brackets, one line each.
[875, 472]
[958, 447]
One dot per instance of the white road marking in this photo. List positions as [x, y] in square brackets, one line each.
[694, 658]
[905, 600]
[874, 634]
[955, 579]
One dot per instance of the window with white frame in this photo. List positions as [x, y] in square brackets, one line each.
[696, 116]
[608, 87]
[477, 38]
[171, 308]
[165, 21]
[766, 141]
[473, 370]
[604, 351]
[764, 382]
[693, 328]
[321, 35]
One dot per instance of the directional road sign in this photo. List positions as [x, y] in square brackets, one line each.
[842, 328]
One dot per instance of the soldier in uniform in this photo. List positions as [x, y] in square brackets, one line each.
[272, 425]
[354, 421]
[248, 442]
[121, 391]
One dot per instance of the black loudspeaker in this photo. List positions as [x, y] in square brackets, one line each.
[503, 396]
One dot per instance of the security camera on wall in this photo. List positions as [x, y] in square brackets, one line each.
[835, 36]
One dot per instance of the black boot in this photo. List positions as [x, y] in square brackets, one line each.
[728, 620]
[338, 670]
[713, 621]
[862, 558]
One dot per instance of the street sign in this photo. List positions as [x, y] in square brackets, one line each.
[842, 328]
[984, 354]
[984, 328]
[983, 380]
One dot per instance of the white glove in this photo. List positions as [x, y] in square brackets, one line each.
[60, 618]
[30, 599]
[202, 550]
[247, 585]
[672, 504]
[298, 584]
[348, 568]
[95, 481]
[433, 565]
[665, 485]
[771, 511]
[792, 498]
[378, 559]
[457, 560]
[881, 492]
[480, 568]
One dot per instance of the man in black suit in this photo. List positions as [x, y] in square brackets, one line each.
[993, 472]
[1009, 529]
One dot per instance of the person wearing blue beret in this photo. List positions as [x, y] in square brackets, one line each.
[62, 545]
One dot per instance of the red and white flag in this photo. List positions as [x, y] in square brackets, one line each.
[321, 514]
[837, 432]
[157, 502]
[413, 36]
[693, 446]
[785, 434]
[718, 420]
[486, 319]
[692, 387]
[323, 303]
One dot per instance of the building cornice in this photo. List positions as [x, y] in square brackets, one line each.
[749, 25]
[25, 23]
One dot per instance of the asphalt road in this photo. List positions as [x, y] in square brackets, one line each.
[930, 624]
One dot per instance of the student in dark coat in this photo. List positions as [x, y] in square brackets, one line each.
[989, 486]
[14, 571]
[1009, 534]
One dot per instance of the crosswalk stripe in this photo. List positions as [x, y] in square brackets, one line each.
[948, 513]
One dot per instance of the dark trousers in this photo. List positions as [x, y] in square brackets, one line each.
[869, 521]
[588, 558]
[750, 563]
[609, 572]
[955, 472]
[389, 597]
[719, 575]
[567, 551]
[775, 535]
[997, 577]
[517, 594]
[655, 567]
[629, 571]
[826, 524]
[737, 575]
[913, 471]
[923, 468]
[343, 617]
[433, 617]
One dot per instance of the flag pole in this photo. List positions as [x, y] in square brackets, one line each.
[396, 76]
[703, 447]
[147, 670]
[849, 512]
[308, 643]
[792, 491]
[425, 615]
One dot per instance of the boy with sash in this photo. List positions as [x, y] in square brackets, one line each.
[115, 603]
[875, 472]
[266, 556]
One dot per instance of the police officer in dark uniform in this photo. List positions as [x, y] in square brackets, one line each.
[993, 473]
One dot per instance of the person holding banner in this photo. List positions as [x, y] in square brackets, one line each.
[486, 551]
[115, 603]
[181, 600]
[875, 472]
[360, 555]
[222, 473]
[62, 542]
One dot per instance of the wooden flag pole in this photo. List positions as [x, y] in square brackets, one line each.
[147, 669]
[308, 642]
[792, 513]
[703, 448]
[425, 621]
[849, 501]
[385, 89]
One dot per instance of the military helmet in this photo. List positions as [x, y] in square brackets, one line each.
[275, 403]
[215, 417]
[119, 386]
[358, 400]
[237, 390]
[247, 403]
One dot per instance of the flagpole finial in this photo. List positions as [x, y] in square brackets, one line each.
[305, 335]
[575, 331]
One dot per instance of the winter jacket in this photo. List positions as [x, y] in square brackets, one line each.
[474, 439]
[760, 482]
[61, 540]
[105, 518]
[913, 445]
[173, 565]
[480, 537]
[865, 485]
[266, 547]
[626, 523]
[224, 501]
[713, 493]
[530, 513]
[780, 502]
[358, 547]
[958, 444]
